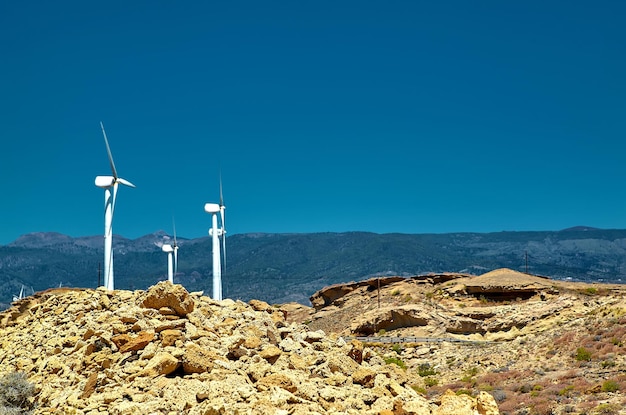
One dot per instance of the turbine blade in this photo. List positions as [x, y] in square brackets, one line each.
[223, 219]
[174, 226]
[124, 182]
[221, 195]
[115, 185]
[224, 250]
[109, 151]
[175, 259]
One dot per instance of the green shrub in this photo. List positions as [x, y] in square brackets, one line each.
[419, 389]
[15, 394]
[473, 371]
[583, 354]
[397, 348]
[566, 391]
[430, 381]
[610, 386]
[469, 375]
[395, 361]
[425, 370]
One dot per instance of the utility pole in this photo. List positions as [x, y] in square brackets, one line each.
[526, 262]
[98, 274]
[376, 319]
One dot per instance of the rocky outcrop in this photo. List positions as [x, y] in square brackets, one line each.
[504, 284]
[328, 295]
[333, 293]
[437, 305]
[390, 319]
[165, 351]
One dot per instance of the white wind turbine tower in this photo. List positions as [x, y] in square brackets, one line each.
[219, 240]
[108, 182]
[172, 269]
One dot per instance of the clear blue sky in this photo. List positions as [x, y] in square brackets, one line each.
[396, 116]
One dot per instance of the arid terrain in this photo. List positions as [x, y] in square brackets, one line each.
[539, 346]
[503, 342]
[166, 351]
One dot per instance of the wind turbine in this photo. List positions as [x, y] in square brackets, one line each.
[175, 247]
[217, 234]
[172, 269]
[108, 182]
[17, 298]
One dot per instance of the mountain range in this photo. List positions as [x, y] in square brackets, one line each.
[280, 268]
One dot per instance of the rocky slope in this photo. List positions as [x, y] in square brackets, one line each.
[539, 346]
[166, 351]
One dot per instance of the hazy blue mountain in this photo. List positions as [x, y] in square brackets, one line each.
[291, 267]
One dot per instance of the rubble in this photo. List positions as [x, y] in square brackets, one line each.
[165, 351]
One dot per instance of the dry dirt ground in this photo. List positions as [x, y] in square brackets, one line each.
[539, 346]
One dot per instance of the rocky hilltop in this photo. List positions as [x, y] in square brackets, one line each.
[538, 346]
[167, 351]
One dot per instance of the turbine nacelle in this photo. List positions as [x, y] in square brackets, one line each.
[211, 208]
[167, 248]
[108, 181]
[105, 181]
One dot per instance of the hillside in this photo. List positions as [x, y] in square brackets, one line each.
[165, 351]
[539, 346]
[435, 344]
[280, 268]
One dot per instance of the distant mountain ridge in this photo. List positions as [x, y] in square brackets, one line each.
[280, 268]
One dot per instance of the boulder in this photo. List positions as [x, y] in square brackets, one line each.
[198, 360]
[451, 403]
[168, 295]
[169, 337]
[364, 376]
[259, 305]
[162, 363]
[270, 353]
[126, 343]
[276, 379]
[486, 404]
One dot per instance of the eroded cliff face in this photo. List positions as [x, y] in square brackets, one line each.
[498, 305]
[166, 351]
